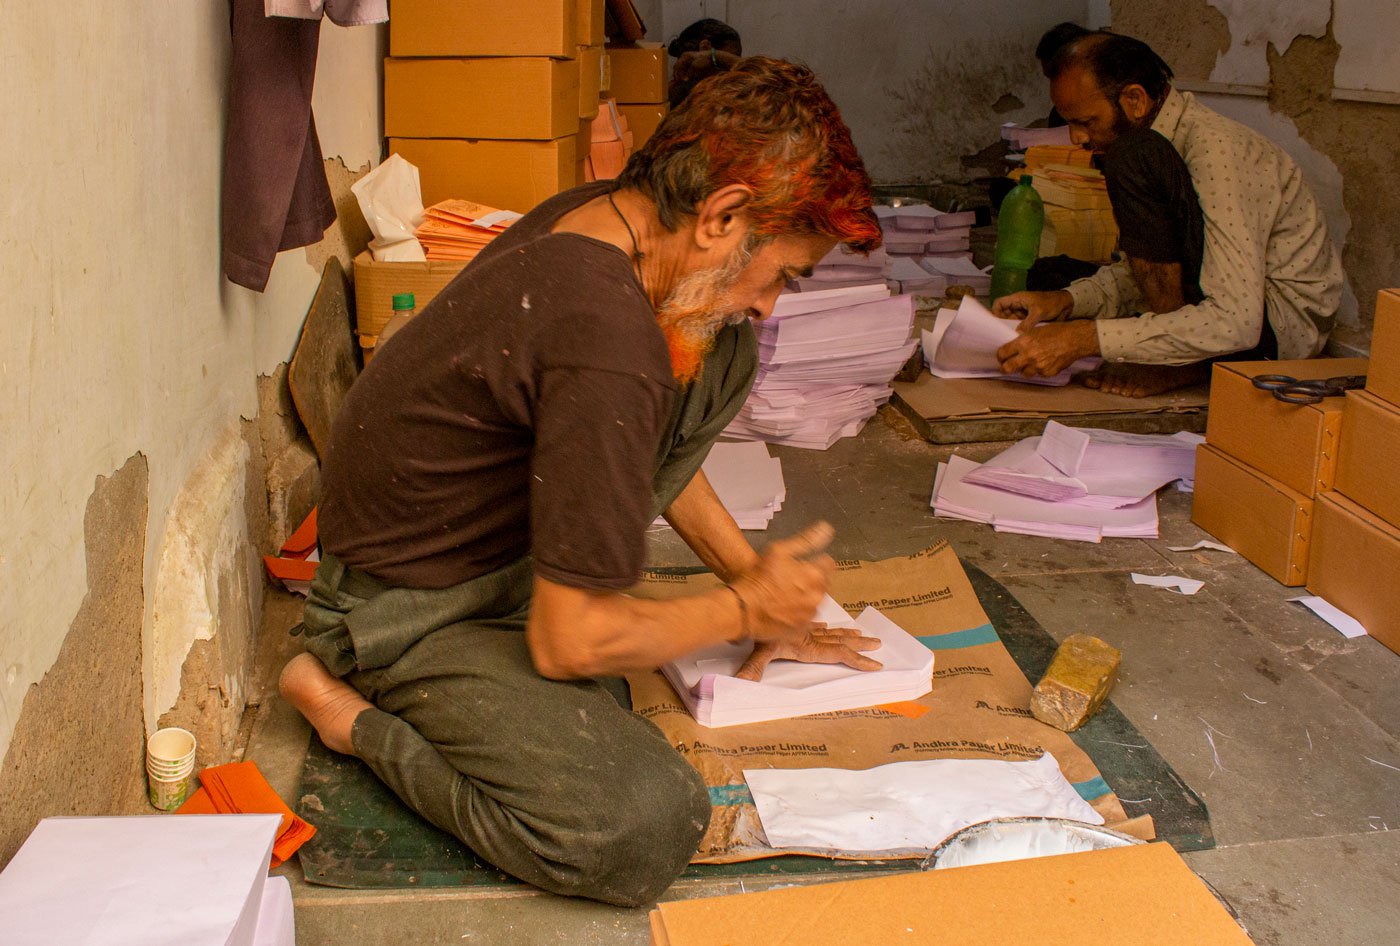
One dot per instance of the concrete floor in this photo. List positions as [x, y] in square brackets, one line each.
[1303, 782]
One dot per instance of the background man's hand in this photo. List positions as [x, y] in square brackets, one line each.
[1050, 349]
[820, 645]
[1032, 308]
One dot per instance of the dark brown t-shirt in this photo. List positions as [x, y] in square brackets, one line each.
[519, 412]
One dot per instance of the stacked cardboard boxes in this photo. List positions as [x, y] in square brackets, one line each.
[492, 101]
[639, 76]
[1355, 557]
[1265, 462]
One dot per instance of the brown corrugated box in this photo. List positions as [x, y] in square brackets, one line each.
[377, 282]
[1354, 563]
[1259, 517]
[1384, 379]
[642, 120]
[509, 98]
[459, 28]
[1368, 470]
[512, 175]
[590, 80]
[583, 143]
[1295, 444]
[639, 73]
[1142, 894]
[589, 22]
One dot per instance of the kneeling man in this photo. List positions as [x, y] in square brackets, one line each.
[492, 474]
[1226, 252]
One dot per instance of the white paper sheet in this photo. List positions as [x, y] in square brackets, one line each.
[966, 347]
[706, 683]
[906, 806]
[276, 923]
[192, 880]
[1183, 586]
[1204, 544]
[1344, 623]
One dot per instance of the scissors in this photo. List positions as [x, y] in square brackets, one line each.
[1293, 391]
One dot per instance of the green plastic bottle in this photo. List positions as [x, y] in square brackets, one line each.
[1019, 222]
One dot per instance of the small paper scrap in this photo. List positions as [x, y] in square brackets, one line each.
[1184, 586]
[1203, 544]
[1347, 625]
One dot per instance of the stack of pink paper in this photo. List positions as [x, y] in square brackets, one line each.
[919, 231]
[843, 268]
[1068, 483]
[825, 363]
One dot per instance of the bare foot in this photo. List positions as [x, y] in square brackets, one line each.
[328, 702]
[1145, 380]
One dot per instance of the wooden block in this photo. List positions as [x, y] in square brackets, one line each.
[1076, 683]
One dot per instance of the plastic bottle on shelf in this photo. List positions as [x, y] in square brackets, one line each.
[1019, 223]
[403, 311]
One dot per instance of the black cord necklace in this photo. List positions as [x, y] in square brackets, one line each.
[637, 254]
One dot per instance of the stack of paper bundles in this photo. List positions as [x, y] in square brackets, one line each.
[1022, 138]
[907, 276]
[954, 498]
[963, 344]
[825, 363]
[960, 271]
[1078, 216]
[1102, 469]
[748, 481]
[918, 230]
[843, 268]
[706, 683]
[460, 229]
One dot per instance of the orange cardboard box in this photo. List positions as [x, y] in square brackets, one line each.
[642, 120]
[589, 20]
[1259, 517]
[590, 80]
[508, 98]
[1368, 469]
[512, 175]
[377, 282]
[1384, 379]
[478, 28]
[640, 74]
[1355, 559]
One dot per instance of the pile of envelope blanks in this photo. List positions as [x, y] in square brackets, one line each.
[826, 359]
[1068, 483]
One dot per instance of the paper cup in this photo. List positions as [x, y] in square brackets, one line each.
[169, 794]
[170, 767]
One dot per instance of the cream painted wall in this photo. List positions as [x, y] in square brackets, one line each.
[119, 333]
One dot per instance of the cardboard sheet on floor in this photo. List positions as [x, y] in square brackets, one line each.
[978, 709]
[951, 398]
[1128, 896]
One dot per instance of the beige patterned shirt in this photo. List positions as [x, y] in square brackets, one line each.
[1266, 250]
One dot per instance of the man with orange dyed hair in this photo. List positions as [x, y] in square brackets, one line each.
[491, 475]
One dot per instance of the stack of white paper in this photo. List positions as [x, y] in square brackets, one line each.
[826, 360]
[706, 683]
[748, 481]
[1100, 468]
[959, 271]
[955, 498]
[907, 806]
[963, 344]
[908, 276]
[1022, 138]
[194, 880]
[919, 231]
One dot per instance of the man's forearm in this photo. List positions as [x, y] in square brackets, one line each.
[701, 520]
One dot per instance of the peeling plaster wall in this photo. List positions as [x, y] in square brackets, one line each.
[1292, 56]
[120, 335]
[921, 83]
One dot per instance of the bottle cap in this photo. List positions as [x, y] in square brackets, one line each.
[403, 300]
[1025, 179]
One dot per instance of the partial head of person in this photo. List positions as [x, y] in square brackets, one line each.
[1055, 39]
[1105, 85]
[704, 35]
[755, 178]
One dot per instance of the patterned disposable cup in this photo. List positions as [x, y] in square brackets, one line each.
[170, 767]
[169, 794]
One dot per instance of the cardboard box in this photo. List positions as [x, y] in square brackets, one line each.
[642, 120]
[583, 143]
[590, 80]
[1355, 558]
[1384, 378]
[1124, 896]
[511, 175]
[640, 73]
[607, 75]
[1295, 444]
[1259, 517]
[476, 28]
[480, 98]
[588, 21]
[376, 283]
[1368, 469]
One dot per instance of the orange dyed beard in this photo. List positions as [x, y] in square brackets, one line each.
[696, 310]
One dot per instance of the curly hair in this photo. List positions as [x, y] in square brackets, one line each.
[769, 125]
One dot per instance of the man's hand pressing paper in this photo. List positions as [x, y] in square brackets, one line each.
[820, 645]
